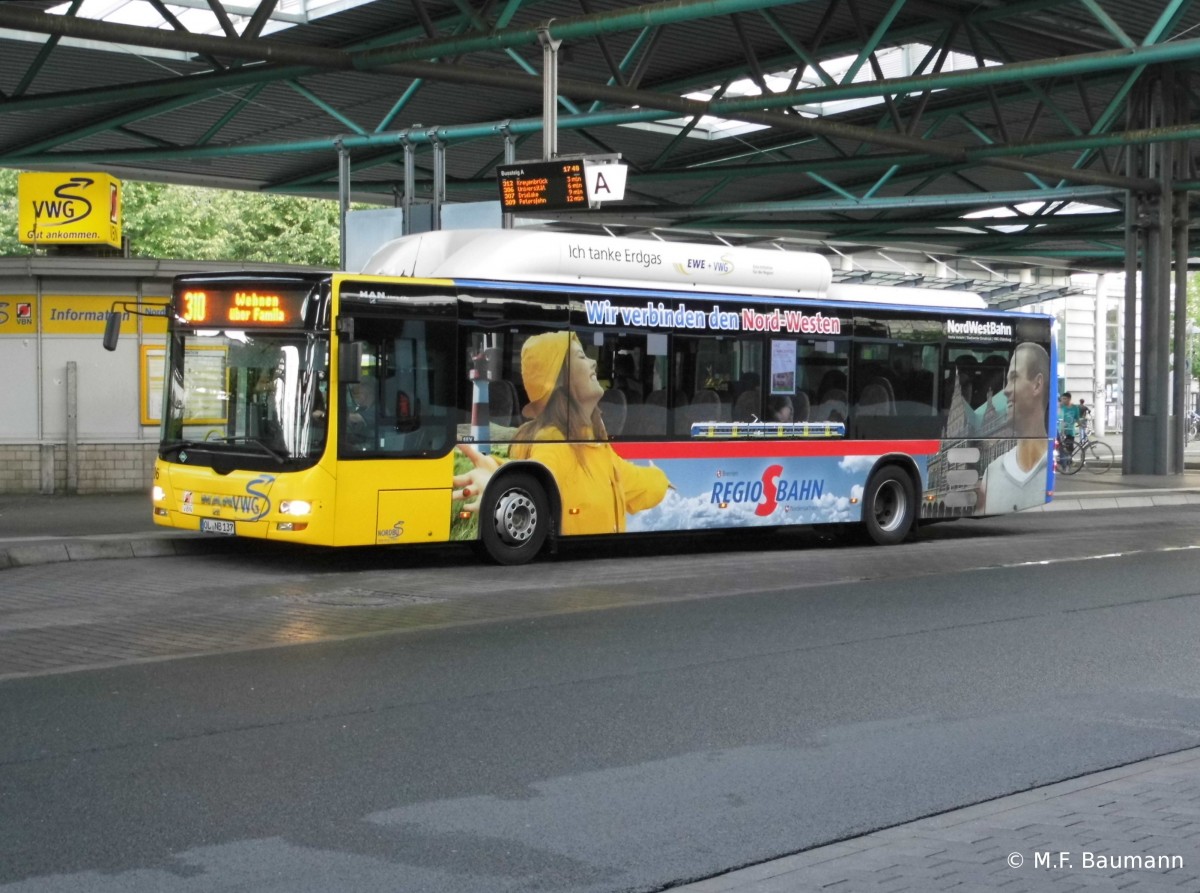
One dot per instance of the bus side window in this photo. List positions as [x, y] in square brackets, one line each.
[893, 391]
[823, 370]
[403, 403]
[973, 397]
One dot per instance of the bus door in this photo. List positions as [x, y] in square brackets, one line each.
[395, 413]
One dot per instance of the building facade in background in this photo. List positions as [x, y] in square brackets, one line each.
[75, 418]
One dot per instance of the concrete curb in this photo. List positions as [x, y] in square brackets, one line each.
[168, 544]
[29, 554]
[1131, 501]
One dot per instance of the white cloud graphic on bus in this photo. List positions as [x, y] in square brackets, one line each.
[858, 465]
[678, 512]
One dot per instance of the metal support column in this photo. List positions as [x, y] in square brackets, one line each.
[1149, 445]
[1100, 353]
[510, 155]
[343, 196]
[439, 179]
[549, 92]
[1182, 365]
[72, 427]
[1129, 363]
[410, 180]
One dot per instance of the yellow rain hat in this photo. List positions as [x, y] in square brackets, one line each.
[542, 359]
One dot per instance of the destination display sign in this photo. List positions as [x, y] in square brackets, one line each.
[244, 308]
[542, 186]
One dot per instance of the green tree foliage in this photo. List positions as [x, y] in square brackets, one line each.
[172, 222]
[303, 230]
[9, 242]
[1193, 312]
[188, 223]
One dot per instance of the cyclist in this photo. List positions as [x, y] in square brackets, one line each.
[1068, 425]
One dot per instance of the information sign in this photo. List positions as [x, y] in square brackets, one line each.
[241, 307]
[542, 185]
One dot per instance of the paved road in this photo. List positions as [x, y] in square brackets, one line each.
[590, 724]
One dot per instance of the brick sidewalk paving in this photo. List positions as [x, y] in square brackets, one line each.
[1134, 828]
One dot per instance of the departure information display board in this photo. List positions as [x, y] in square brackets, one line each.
[542, 186]
[243, 307]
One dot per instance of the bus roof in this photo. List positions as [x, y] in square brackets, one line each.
[551, 257]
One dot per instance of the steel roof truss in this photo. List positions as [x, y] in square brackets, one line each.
[238, 105]
[43, 54]
[325, 107]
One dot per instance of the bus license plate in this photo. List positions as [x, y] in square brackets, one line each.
[215, 525]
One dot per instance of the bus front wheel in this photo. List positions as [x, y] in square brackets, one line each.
[889, 506]
[515, 519]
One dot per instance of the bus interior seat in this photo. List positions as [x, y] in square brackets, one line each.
[801, 407]
[874, 400]
[658, 397]
[649, 419]
[502, 403]
[706, 406]
[832, 407]
[921, 391]
[625, 378]
[614, 410]
[748, 406]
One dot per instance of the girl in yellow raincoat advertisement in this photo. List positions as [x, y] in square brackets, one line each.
[566, 433]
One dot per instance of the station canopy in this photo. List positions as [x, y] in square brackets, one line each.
[1012, 133]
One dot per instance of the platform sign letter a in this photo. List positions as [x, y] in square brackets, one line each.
[605, 182]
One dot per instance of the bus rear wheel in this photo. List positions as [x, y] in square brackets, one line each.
[514, 519]
[889, 506]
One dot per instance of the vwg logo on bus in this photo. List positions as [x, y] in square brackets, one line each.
[253, 505]
[59, 208]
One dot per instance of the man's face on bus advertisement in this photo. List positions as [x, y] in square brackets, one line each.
[1023, 390]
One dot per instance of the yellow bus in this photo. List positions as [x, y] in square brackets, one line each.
[512, 388]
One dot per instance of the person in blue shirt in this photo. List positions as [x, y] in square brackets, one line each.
[1068, 427]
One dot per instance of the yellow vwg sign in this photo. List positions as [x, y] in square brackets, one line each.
[69, 208]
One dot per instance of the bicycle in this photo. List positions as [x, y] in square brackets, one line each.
[1191, 426]
[1096, 455]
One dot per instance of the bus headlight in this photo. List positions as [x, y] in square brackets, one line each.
[295, 507]
[158, 494]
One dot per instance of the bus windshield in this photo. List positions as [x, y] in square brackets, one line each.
[262, 396]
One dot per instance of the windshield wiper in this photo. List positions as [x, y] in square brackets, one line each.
[178, 445]
[279, 457]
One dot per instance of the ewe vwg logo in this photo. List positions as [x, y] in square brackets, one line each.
[68, 205]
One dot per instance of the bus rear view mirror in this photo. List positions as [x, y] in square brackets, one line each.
[112, 330]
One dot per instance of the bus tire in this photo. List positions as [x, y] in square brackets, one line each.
[889, 506]
[514, 519]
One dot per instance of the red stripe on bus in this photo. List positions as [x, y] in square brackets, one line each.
[756, 449]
